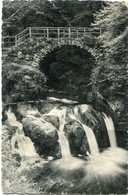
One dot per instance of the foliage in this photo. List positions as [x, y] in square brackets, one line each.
[68, 70]
[18, 80]
[111, 46]
[111, 52]
[18, 15]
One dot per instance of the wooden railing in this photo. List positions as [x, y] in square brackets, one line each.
[49, 33]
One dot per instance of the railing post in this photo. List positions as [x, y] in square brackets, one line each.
[90, 32]
[77, 33]
[15, 40]
[63, 33]
[100, 31]
[84, 31]
[58, 34]
[69, 32]
[47, 33]
[30, 32]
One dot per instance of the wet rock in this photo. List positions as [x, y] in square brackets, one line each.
[77, 138]
[46, 107]
[43, 134]
[52, 119]
[42, 129]
[25, 109]
[94, 120]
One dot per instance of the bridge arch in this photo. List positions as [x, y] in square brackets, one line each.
[35, 49]
[50, 45]
[49, 66]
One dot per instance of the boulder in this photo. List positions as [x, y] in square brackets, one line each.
[77, 138]
[95, 121]
[42, 129]
[46, 107]
[27, 109]
[43, 134]
[52, 119]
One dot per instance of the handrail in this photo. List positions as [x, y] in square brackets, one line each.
[9, 36]
[61, 27]
[50, 32]
[38, 28]
[22, 31]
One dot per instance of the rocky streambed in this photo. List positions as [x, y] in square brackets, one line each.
[42, 127]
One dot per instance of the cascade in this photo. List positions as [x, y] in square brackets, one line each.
[24, 146]
[11, 116]
[67, 162]
[89, 133]
[103, 169]
[55, 112]
[19, 142]
[111, 130]
[64, 144]
[91, 139]
[79, 110]
[117, 155]
[12, 121]
[97, 172]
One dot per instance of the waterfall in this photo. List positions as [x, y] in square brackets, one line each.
[11, 116]
[24, 146]
[12, 121]
[79, 110]
[111, 130]
[67, 163]
[20, 143]
[89, 132]
[91, 139]
[64, 144]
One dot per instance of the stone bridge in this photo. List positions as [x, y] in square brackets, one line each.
[23, 53]
[34, 43]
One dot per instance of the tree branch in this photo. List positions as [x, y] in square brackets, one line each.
[15, 12]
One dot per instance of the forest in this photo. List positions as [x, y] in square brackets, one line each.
[97, 79]
[109, 61]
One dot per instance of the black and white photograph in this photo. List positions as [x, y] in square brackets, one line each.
[64, 97]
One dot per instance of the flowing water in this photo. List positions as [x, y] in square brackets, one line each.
[103, 172]
[25, 146]
[20, 143]
[12, 121]
[91, 139]
[111, 130]
[64, 144]
[67, 162]
[93, 146]
[63, 141]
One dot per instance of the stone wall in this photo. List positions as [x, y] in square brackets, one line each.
[21, 71]
[31, 51]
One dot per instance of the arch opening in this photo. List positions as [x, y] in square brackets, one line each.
[68, 69]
